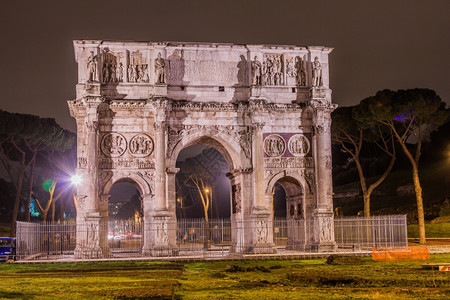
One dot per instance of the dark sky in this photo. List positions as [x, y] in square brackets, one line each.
[378, 44]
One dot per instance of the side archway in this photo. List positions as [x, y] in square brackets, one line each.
[142, 184]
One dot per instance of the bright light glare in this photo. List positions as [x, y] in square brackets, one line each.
[76, 179]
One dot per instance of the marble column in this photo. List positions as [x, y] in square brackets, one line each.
[258, 168]
[323, 214]
[88, 230]
[160, 167]
[261, 224]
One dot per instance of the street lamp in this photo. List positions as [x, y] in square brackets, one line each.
[76, 179]
[210, 200]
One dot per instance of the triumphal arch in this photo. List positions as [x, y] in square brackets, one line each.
[265, 108]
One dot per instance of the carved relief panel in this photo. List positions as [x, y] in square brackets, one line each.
[274, 145]
[113, 67]
[113, 144]
[298, 145]
[273, 69]
[236, 198]
[126, 151]
[286, 144]
[296, 70]
[137, 70]
[141, 145]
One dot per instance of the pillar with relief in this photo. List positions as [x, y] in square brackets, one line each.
[323, 214]
[89, 223]
[162, 237]
[262, 226]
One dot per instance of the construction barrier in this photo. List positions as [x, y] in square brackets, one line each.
[401, 254]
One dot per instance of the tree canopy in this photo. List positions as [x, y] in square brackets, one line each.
[22, 137]
[406, 113]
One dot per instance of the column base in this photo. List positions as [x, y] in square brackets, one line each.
[261, 248]
[301, 246]
[262, 227]
[86, 253]
[160, 89]
[161, 251]
[160, 236]
[324, 247]
[318, 93]
[324, 230]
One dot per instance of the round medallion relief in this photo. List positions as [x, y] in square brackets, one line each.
[141, 145]
[274, 145]
[299, 145]
[113, 144]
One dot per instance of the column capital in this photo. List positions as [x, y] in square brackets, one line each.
[322, 105]
[160, 126]
[235, 172]
[172, 171]
[259, 125]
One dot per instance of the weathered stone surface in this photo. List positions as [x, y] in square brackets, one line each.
[265, 108]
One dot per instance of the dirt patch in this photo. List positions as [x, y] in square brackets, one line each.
[237, 268]
[323, 279]
[344, 260]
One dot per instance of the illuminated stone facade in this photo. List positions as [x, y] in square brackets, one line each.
[265, 108]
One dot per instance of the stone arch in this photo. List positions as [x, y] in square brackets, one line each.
[295, 194]
[300, 180]
[223, 143]
[141, 183]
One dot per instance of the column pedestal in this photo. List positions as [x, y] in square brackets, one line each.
[324, 230]
[262, 229]
[162, 234]
[160, 89]
[89, 247]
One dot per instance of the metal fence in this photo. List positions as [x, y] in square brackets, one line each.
[364, 233]
[193, 238]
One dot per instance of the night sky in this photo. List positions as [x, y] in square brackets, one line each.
[378, 44]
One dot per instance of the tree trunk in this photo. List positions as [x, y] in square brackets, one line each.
[206, 239]
[53, 211]
[374, 185]
[417, 187]
[366, 197]
[362, 180]
[18, 196]
[30, 188]
[419, 199]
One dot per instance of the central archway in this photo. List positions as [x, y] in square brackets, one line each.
[192, 232]
[202, 200]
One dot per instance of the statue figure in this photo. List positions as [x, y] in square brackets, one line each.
[134, 74]
[145, 72]
[130, 73]
[106, 76]
[140, 73]
[277, 71]
[317, 73]
[119, 72]
[113, 77]
[300, 71]
[256, 71]
[159, 69]
[269, 68]
[92, 67]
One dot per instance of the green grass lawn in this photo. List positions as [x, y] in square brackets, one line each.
[431, 230]
[357, 277]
